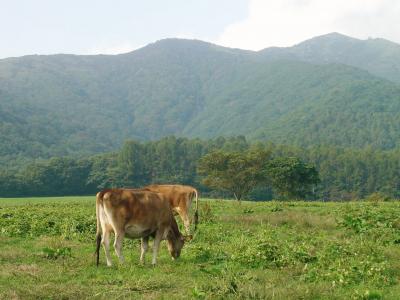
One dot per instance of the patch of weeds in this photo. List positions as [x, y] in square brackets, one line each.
[270, 254]
[377, 197]
[202, 254]
[367, 295]
[206, 213]
[7, 215]
[366, 219]
[227, 286]
[213, 270]
[248, 211]
[277, 208]
[198, 294]
[342, 272]
[345, 264]
[356, 223]
[55, 253]
[118, 280]
[208, 255]
[303, 256]
[38, 220]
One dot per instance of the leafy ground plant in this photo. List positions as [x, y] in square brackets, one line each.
[305, 250]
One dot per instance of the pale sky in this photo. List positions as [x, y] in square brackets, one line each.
[118, 26]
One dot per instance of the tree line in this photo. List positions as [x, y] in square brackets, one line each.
[224, 167]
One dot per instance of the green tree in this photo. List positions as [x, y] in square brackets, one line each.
[292, 178]
[105, 171]
[133, 164]
[235, 172]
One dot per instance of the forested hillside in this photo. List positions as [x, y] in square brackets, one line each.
[344, 173]
[79, 105]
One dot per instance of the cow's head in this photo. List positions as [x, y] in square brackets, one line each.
[175, 246]
[175, 240]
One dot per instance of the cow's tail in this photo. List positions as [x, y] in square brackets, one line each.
[99, 203]
[196, 213]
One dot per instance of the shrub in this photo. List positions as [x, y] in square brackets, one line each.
[377, 197]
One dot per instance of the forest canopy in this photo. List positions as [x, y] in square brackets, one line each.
[335, 173]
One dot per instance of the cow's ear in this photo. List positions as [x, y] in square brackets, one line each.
[188, 238]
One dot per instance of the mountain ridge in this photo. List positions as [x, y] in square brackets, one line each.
[69, 104]
[378, 56]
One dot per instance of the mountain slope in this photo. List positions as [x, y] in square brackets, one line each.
[76, 105]
[380, 57]
[303, 104]
[93, 103]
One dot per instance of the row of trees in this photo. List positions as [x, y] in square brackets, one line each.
[242, 172]
[230, 167]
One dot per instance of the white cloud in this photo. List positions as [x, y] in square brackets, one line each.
[125, 47]
[112, 49]
[287, 22]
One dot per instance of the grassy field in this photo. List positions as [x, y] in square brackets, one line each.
[270, 250]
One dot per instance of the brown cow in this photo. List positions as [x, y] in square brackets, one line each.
[180, 197]
[135, 214]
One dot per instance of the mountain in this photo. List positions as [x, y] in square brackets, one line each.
[380, 57]
[78, 105]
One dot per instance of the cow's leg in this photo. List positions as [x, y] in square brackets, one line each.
[106, 244]
[119, 237]
[144, 247]
[156, 246]
[184, 208]
[186, 222]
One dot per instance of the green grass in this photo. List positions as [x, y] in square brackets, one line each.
[270, 250]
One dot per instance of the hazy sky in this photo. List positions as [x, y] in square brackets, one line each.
[105, 26]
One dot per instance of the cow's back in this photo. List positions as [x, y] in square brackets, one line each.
[147, 208]
[175, 194]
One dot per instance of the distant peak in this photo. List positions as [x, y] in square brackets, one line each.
[176, 41]
[327, 39]
[181, 44]
[333, 36]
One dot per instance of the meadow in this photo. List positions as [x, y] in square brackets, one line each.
[247, 250]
